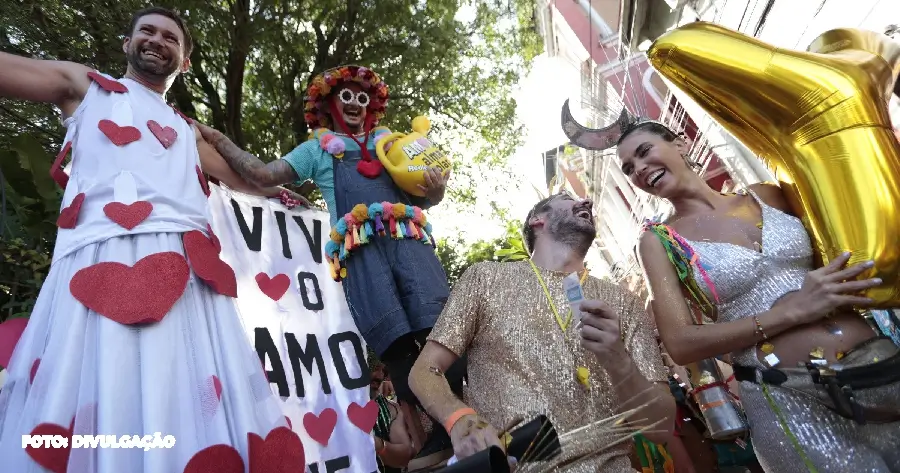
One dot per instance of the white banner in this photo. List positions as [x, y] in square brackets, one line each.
[297, 318]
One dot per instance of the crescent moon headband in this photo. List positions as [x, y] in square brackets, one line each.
[599, 139]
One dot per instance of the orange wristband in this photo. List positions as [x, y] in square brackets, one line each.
[456, 416]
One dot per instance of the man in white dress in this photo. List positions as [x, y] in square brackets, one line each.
[135, 332]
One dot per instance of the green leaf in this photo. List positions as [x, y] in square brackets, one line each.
[35, 160]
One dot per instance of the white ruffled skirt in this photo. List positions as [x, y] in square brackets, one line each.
[193, 375]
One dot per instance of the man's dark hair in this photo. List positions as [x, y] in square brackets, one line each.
[188, 45]
[527, 229]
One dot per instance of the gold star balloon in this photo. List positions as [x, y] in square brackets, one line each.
[819, 119]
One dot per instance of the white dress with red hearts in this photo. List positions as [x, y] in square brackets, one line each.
[135, 331]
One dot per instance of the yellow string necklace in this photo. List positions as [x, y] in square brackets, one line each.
[563, 325]
[582, 374]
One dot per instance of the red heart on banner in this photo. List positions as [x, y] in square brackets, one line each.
[119, 135]
[108, 85]
[370, 169]
[273, 287]
[56, 169]
[166, 135]
[320, 427]
[216, 459]
[137, 294]
[207, 265]
[53, 459]
[130, 215]
[281, 452]
[34, 370]
[363, 417]
[203, 184]
[289, 423]
[68, 217]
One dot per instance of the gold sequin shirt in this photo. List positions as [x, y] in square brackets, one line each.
[522, 364]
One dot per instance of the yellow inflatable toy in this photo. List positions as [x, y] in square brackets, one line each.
[406, 156]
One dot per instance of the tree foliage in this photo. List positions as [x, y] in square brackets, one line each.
[456, 256]
[454, 60]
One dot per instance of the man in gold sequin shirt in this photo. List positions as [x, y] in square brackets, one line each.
[524, 358]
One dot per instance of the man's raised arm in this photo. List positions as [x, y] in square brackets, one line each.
[63, 84]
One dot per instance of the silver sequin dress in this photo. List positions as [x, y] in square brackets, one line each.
[749, 282]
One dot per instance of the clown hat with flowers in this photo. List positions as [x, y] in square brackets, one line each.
[321, 113]
[318, 112]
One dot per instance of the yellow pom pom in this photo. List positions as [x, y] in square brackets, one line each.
[360, 212]
[583, 375]
[421, 124]
[399, 211]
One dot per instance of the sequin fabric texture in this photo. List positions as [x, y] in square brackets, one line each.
[749, 282]
[522, 364]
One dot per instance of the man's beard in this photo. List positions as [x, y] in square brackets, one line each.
[150, 69]
[574, 232]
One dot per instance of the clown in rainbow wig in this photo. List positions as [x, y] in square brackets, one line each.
[381, 247]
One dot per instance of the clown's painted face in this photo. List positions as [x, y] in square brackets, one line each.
[351, 102]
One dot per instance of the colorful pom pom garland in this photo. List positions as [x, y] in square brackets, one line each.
[316, 109]
[363, 223]
[335, 146]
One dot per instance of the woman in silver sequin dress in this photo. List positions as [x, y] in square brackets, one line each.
[770, 309]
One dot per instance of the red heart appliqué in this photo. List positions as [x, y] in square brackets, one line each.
[289, 423]
[214, 239]
[119, 135]
[56, 169]
[216, 459]
[108, 85]
[273, 287]
[205, 261]
[281, 452]
[53, 459]
[130, 215]
[34, 370]
[165, 135]
[211, 396]
[363, 417]
[68, 217]
[320, 427]
[203, 184]
[143, 293]
[370, 169]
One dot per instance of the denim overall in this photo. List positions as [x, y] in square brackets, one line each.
[393, 287]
